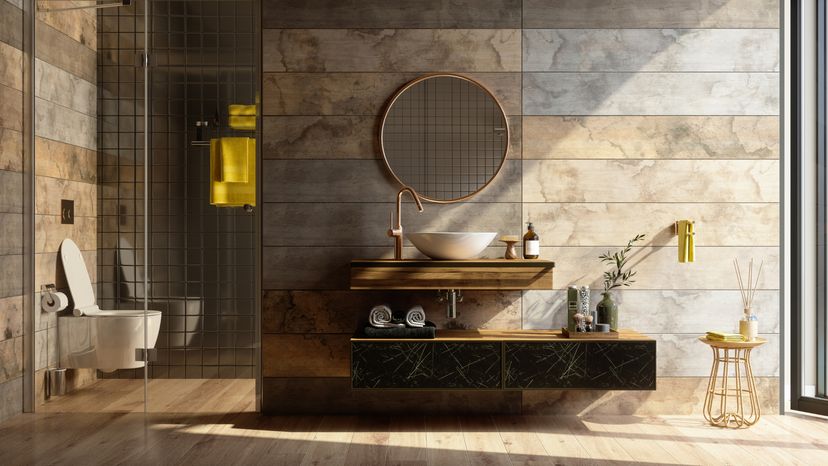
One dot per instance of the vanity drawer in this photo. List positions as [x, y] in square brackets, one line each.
[607, 365]
[426, 365]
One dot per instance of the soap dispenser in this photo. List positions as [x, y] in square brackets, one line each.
[531, 243]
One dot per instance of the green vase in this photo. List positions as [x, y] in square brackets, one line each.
[608, 311]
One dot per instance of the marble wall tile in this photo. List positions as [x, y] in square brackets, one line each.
[363, 14]
[49, 233]
[41, 349]
[63, 124]
[11, 24]
[651, 137]
[65, 89]
[682, 355]
[651, 13]
[60, 160]
[651, 93]
[11, 359]
[345, 311]
[333, 395]
[48, 269]
[360, 181]
[11, 280]
[11, 317]
[11, 66]
[599, 224]
[651, 181]
[317, 355]
[11, 191]
[310, 268]
[673, 396]
[637, 50]
[51, 190]
[658, 268]
[362, 93]
[400, 50]
[11, 396]
[77, 24]
[660, 311]
[11, 150]
[57, 48]
[11, 108]
[11, 233]
[366, 224]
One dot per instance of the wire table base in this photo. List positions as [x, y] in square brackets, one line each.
[731, 381]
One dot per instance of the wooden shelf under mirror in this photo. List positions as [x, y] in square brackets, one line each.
[476, 274]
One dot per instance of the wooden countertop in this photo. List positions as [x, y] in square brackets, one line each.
[495, 263]
[510, 335]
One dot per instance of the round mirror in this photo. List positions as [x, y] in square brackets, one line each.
[445, 136]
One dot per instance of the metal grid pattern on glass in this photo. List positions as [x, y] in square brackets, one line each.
[201, 273]
[445, 137]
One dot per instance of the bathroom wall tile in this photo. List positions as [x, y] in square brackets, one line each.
[717, 224]
[11, 280]
[361, 50]
[11, 66]
[339, 137]
[11, 108]
[11, 317]
[651, 93]
[651, 137]
[11, 191]
[651, 181]
[77, 24]
[362, 93]
[650, 13]
[11, 395]
[65, 89]
[52, 347]
[333, 395]
[49, 233]
[360, 181]
[64, 52]
[346, 311]
[637, 50]
[363, 14]
[11, 24]
[11, 150]
[320, 355]
[11, 359]
[366, 224]
[11, 233]
[63, 124]
[659, 311]
[60, 160]
[682, 355]
[673, 396]
[51, 190]
[41, 349]
[48, 269]
[658, 268]
[310, 268]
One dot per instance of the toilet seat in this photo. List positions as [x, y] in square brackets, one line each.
[80, 285]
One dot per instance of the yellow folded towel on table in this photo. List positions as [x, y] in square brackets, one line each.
[722, 336]
[233, 172]
[242, 117]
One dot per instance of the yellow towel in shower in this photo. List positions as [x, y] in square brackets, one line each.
[233, 159]
[242, 110]
[686, 241]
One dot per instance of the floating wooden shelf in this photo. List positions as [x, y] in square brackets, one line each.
[478, 274]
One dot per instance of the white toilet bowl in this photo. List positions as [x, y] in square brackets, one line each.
[99, 339]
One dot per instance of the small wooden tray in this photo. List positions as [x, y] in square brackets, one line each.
[611, 335]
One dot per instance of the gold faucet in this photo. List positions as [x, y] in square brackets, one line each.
[396, 231]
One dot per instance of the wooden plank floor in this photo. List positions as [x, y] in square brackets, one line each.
[211, 422]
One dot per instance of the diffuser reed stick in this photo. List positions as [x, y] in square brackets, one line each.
[748, 290]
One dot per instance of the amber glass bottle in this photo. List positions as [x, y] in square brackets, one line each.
[531, 243]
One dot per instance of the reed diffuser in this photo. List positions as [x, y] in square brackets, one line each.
[749, 325]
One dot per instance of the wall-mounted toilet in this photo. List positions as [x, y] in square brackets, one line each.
[99, 339]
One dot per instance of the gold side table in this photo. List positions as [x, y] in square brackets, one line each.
[725, 355]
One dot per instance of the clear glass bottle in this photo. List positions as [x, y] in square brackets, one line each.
[749, 325]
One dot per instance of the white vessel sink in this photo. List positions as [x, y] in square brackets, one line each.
[450, 245]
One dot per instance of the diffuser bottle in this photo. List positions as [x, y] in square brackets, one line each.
[749, 325]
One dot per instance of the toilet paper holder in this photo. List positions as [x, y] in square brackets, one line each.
[49, 289]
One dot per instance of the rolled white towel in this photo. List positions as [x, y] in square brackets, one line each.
[415, 317]
[382, 317]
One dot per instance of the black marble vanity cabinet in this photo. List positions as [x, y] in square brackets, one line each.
[607, 365]
[430, 364]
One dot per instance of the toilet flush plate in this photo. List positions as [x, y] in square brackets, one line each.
[67, 211]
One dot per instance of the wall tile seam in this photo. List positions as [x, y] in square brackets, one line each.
[56, 104]
[42, 23]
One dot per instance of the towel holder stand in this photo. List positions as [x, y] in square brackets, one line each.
[676, 227]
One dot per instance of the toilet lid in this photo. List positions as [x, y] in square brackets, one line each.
[77, 276]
